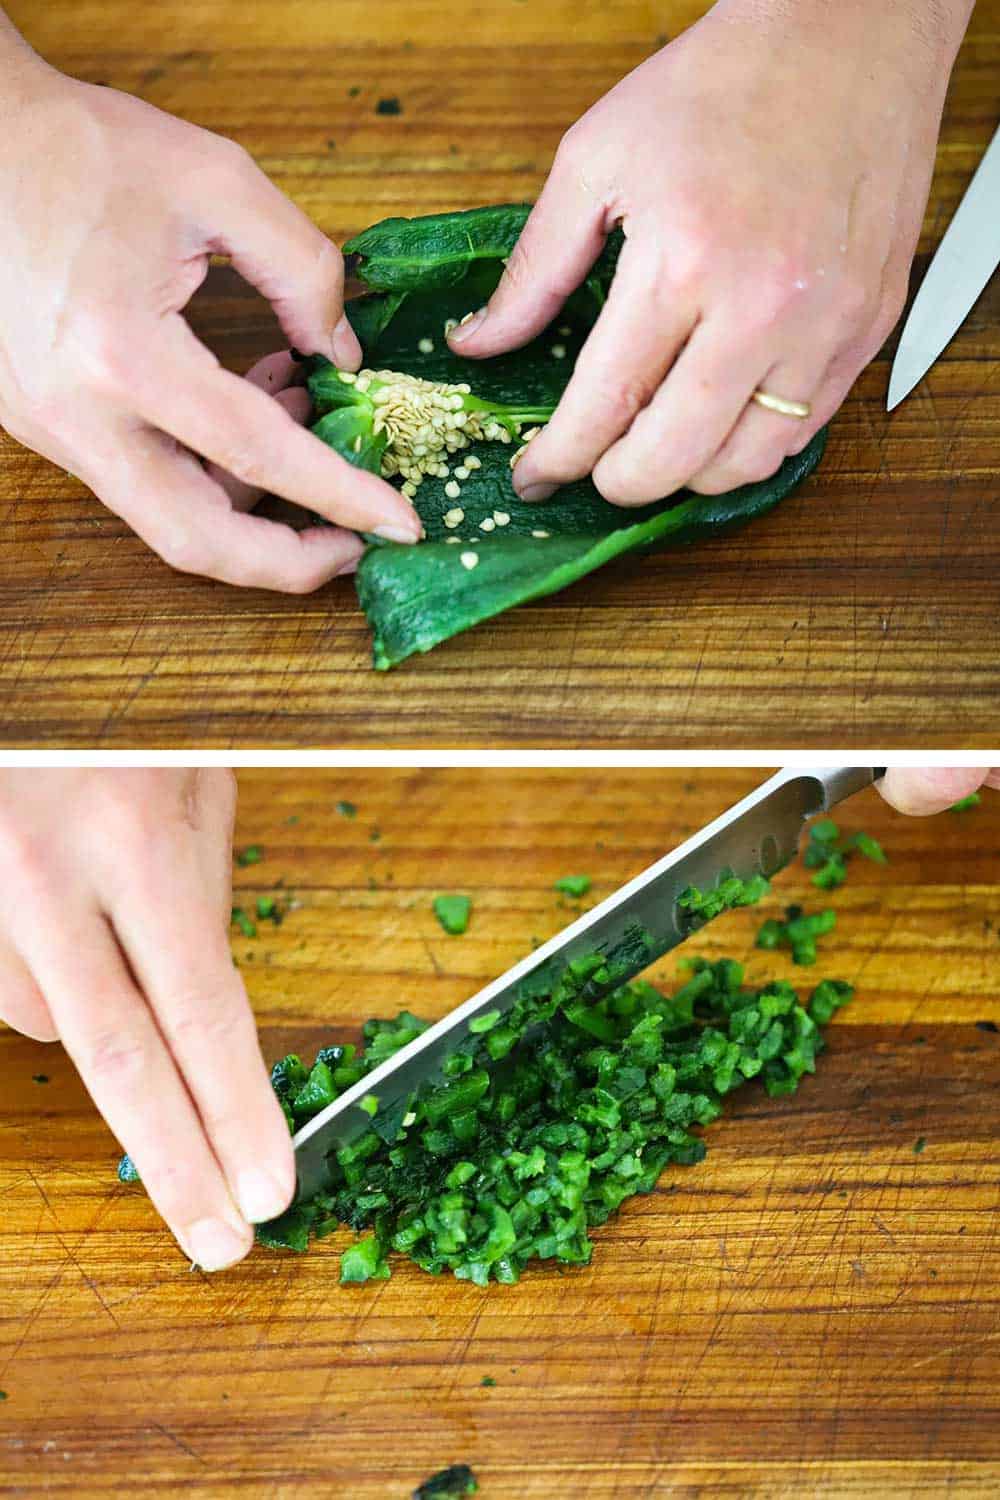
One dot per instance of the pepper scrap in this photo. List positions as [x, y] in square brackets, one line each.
[827, 853]
[798, 931]
[453, 913]
[448, 1484]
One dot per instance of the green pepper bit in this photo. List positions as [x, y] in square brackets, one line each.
[448, 1484]
[453, 913]
[244, 922]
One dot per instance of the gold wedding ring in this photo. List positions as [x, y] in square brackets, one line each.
[800, 409]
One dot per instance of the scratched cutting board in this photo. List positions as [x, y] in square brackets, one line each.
[862, 612]
[812, 1311]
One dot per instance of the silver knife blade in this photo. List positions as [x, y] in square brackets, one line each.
[632, 928]
[965, 260]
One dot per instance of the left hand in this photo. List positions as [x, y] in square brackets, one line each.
[770, 170]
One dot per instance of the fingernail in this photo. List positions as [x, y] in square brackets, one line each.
[213, 1244]
[346, 349]
[470, 324]
[537, 491]
[260, 1196]
[398, 534]
[349, 567]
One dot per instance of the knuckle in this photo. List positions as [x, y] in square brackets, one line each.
[204, 1015]
[889, 314]
[251, 460]
[114, 1057]
[517, 271]
[106, 358]
[127, 809]
[329, 264]
[854, 300]
[183, 552]
[574, 149]
[713, 482]
[21, 852]
[775, 289]
[626, 488]
[678, 269]
[761, 466]
[301, 583]
[233, 157]
[630, 395]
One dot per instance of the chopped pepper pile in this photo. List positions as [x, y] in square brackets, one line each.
[547, 1119]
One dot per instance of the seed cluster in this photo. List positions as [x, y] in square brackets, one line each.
[426, 423]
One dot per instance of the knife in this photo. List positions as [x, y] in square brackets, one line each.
[632, 928]
[965, 260]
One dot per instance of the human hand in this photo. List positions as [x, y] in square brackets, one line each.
[934, 789]
[111, 210]
[114, 939]
[770, 170]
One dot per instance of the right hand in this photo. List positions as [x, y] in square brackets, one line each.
[110, 212]
[923, 791]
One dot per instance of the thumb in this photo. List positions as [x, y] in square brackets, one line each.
[280, 251]
[563, 237]
[920, 792]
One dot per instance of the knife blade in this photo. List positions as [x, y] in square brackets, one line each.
[965, 260]
[632, 928]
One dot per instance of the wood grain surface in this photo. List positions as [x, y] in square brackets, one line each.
[812, 1311]
[863, 611]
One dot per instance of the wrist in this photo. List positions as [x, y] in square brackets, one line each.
[921, 37]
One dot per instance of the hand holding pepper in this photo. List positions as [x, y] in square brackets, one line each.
[111, 211]
[770, 170]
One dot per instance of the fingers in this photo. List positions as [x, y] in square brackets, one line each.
[214, 802]
[169, 500]
[761, 439]
[22, 1004]
[276, 372]
[235, 425]
[281, 252]
[688, 419]
[203, 1014]
[109, 1031]
[562, 238]
[245, 496]
[923, 791]
[632, 346]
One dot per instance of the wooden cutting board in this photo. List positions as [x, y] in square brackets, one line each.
[812, 1311]
[864, 611]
